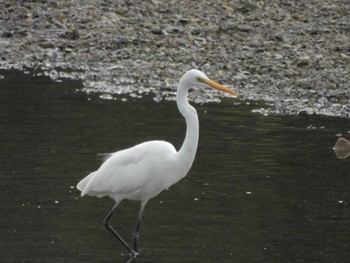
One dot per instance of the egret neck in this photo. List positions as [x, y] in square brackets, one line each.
[188, 149]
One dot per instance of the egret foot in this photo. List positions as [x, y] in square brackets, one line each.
[134, 254]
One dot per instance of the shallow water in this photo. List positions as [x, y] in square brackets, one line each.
[262, 188]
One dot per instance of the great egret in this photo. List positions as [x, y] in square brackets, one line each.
[143, 171]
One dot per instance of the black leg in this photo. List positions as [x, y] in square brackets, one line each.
[136, 236]
[109, 227]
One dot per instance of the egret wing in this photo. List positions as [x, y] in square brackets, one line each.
[126, 172]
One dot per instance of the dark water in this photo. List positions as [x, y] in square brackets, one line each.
[262, 189]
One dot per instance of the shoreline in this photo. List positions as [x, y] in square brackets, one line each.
[295, 56]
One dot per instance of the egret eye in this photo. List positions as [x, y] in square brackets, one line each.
[202, 80]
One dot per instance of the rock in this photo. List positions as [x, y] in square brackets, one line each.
[304, 61]
[47, 44]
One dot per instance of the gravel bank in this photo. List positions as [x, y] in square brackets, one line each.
[293, 54]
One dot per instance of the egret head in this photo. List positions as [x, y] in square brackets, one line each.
[196, 78]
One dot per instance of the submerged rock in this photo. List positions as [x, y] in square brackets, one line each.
[342, 148]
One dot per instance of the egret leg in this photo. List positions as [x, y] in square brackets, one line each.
[109, 227]
[136, 236]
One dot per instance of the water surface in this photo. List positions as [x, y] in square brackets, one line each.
[262, 188]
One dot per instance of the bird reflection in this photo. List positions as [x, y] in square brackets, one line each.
[130, 260]
[342, 148]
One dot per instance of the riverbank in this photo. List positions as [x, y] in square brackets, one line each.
[294, 55]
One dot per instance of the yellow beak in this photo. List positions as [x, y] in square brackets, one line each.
[218, 86]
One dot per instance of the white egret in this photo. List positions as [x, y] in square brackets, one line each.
[143, 171]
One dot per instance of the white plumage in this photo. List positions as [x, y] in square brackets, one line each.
[131, 173]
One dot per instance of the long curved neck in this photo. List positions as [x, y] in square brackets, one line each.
[188, 149]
